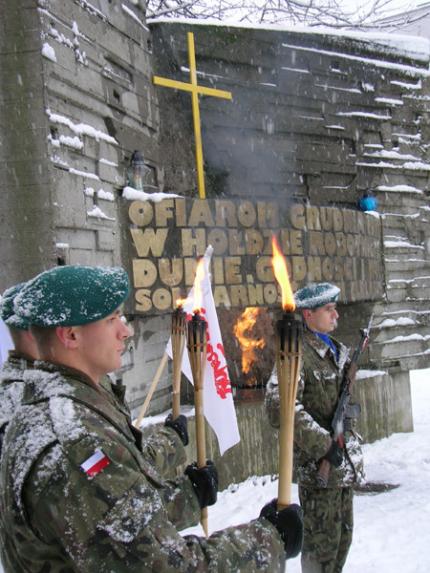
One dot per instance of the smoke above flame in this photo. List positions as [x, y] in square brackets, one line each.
[281, 274]
[247, 343]
[198, 292]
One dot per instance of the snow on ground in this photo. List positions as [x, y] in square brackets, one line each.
[391, 529]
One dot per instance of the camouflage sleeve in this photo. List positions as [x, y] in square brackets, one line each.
[164, 449]
[255, 547]
[116, 521]
[180, 502]
[309, 436]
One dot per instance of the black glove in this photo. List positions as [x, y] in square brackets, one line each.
[205, 482]
[334, 455]
[289, 523]
[179, 424]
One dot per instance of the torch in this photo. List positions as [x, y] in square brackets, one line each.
[289, 330]
[196, 346]
[178, 343]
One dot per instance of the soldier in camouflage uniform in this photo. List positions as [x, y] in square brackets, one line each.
[76, 492]
[163, 447]
[20, 359]
[328, 511]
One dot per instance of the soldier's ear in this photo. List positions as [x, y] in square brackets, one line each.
[306, 313]
[67, 336]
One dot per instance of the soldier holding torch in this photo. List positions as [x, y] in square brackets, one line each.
[327, 507]
[76, 492]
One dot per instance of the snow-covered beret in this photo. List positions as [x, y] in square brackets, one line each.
[72, 295]
[6, 308]
[315, 295]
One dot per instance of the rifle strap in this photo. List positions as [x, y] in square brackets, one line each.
[347, 456]
[341, 377]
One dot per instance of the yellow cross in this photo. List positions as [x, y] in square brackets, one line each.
[195, 90]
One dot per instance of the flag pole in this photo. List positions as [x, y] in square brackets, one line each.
[151, 391]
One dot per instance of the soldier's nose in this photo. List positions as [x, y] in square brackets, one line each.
[126, 331]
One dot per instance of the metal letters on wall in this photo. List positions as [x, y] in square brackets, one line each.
[320, 244]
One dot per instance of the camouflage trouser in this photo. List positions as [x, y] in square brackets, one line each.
[328, 524]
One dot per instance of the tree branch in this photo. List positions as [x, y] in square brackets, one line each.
[331, 13]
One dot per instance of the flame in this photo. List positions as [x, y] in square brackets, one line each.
[248, 345]
[198, 292]
[281, 274]
[180, 302]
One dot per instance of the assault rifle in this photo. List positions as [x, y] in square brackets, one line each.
[338, 421]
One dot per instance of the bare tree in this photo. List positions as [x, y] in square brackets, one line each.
[332, 13]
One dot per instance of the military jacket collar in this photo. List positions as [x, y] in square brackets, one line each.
[73, 382]
[16, 361]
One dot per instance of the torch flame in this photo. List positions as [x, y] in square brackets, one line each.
[241, 330]
[281, 274]
[198, 292]
[180, 302]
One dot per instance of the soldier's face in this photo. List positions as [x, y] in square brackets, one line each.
[322, 319]
[101, 344]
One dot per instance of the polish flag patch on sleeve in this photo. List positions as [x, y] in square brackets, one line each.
[95, 463]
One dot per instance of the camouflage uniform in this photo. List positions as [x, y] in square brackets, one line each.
[161, 445]
[57, 519]
[11, 387]
[328, 514]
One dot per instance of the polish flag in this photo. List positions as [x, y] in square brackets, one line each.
[217, 395]
[95, 463]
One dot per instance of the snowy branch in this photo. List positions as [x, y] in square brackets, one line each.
[331, 13]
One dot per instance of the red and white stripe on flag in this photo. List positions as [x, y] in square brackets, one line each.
[95, 463]
[218, 402]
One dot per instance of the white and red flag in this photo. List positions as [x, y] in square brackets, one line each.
[95, 463]
[217, 397]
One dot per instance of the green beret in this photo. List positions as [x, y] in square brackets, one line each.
[72, 295]
[315, 295]
[7, 312]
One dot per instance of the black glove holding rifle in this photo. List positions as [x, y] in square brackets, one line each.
[334, 456]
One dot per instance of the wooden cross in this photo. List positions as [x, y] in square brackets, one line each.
[195, 90]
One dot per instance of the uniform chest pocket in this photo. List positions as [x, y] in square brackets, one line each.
[321, 395]
[324, 375]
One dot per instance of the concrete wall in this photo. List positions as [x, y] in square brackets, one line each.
[322, 119]
[27, 210]
[77, 99]
[315, 118]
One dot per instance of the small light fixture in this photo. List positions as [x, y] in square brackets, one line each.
[368, 202]
[136, 170]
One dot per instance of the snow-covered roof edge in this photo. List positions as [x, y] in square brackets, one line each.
[413, 47]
